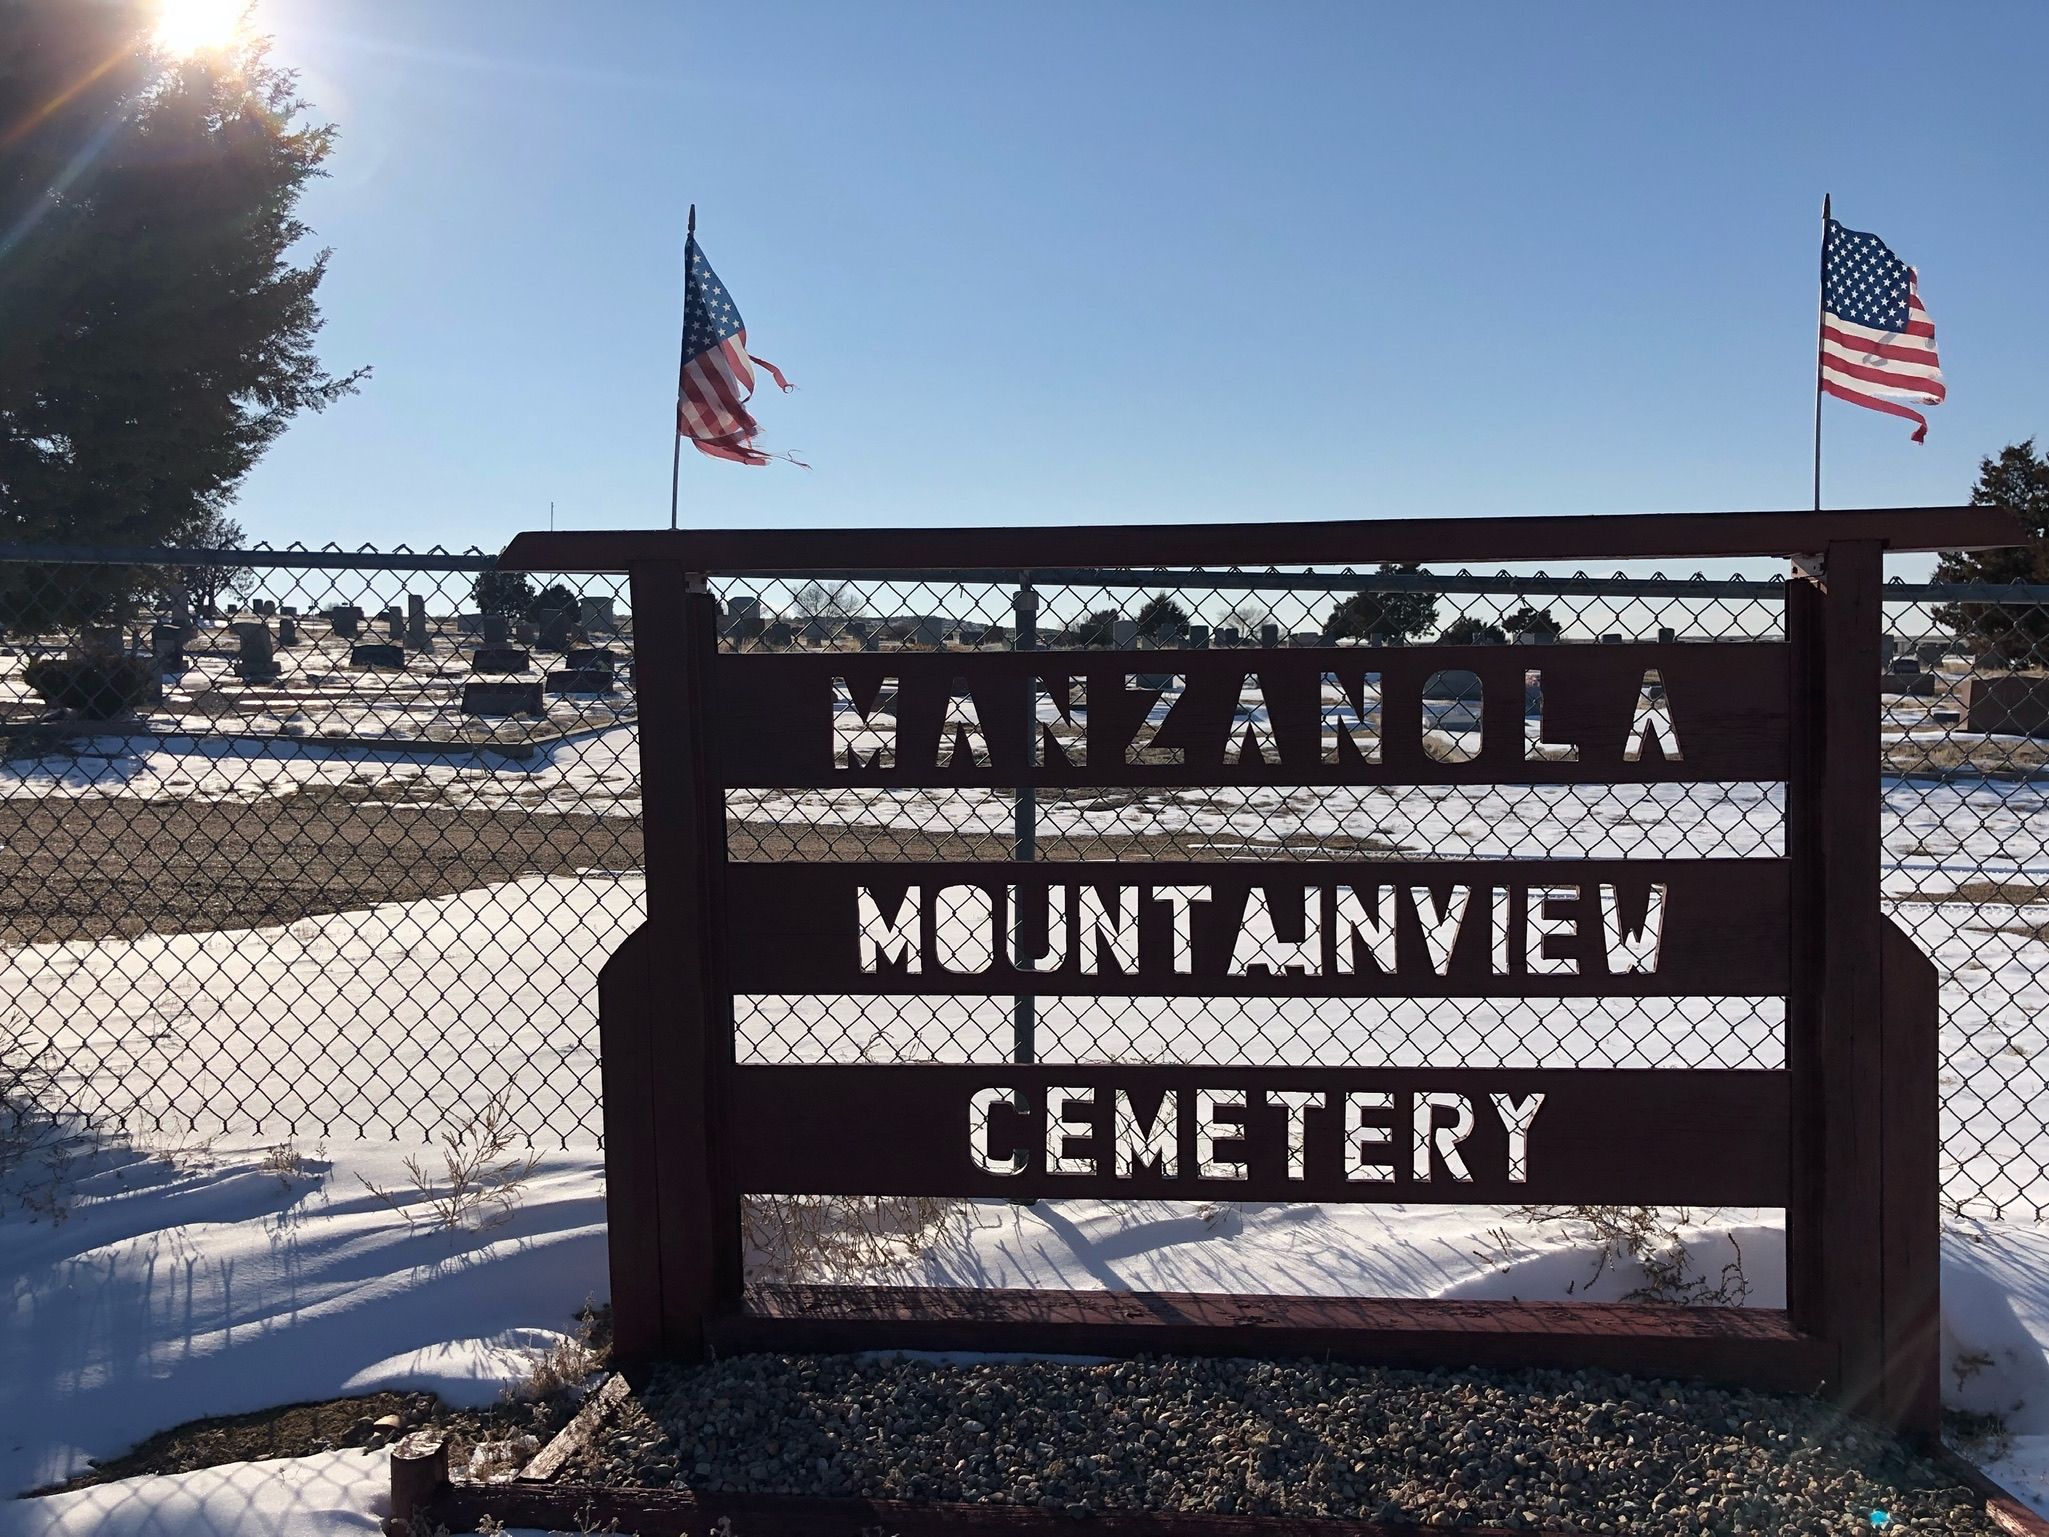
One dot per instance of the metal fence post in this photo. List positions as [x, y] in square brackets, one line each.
[1024, 1023]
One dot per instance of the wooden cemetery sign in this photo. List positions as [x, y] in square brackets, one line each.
[1843, 1138]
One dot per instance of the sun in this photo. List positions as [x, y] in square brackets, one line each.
[186, 27]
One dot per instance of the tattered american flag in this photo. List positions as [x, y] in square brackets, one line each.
[718, 373]
[1877, 342]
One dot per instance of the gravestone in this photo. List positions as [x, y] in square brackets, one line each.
[1124, 633]
[99, 640]
[394, 626]
[1666, 635]
[1611, 640]
[590, 659]
[501, 698]
[167, 646]
[289, 610]
[378, 655]
[263, 608]
[1172, 632]
[526, 632]
[2014, 705]
[1888, 648]
[1198, 637]
[778, 634]
[287, 630]
[181, 607]
[1306, 638]
[258, 660]
[555, 623]
[347, 621]
[1452, 685]
[1227, 635]
[581, 680]
[1269, 635]
[871, 642]
[416, 622]
[1931, 653]
[596, 614]
[1904, 666]
[499, 659]
[494, 628]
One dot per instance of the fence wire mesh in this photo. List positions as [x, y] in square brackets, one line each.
[306, 841]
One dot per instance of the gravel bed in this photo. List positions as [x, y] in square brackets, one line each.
[1582, 1450]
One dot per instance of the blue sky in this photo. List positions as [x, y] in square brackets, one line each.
[1146, 262]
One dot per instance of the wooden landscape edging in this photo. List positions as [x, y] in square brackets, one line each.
[1848, 1134]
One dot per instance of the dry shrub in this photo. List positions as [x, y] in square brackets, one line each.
[1650, 1238]
[482, 1180]
[37, 1136]
[829, 1237]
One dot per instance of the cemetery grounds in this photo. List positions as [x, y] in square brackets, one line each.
[268, 937]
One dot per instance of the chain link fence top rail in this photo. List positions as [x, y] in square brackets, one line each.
[325, 842]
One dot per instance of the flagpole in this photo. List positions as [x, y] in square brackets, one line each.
[1820, 324]
[682, 350]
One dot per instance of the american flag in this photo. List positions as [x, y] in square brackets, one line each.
[718, 373]
[1876, 338]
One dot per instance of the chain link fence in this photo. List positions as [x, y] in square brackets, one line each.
[335, 843]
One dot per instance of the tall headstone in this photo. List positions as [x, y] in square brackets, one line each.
[1269, 635]
[346, 621]
[1666, 635]
[526, 632]
[1124, 633]
[167, 647]
[494, 629]
[596, 615]
[394, 626]
[1198, 637]
[555, 625]
[258, 660]
[287, 630]
[1227, 635]
[416, 621]
[181, 608]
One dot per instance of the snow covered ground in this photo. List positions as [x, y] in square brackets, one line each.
[188, 1281]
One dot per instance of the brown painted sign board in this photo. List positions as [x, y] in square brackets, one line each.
[1844, 1137]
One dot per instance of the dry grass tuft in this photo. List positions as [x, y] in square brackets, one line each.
[482, 1181]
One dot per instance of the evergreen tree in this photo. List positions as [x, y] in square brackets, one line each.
[1158, 612]
[1098, 629]
[158, 337]
[2019, 633]
[510, 593]
[1386, 616]
[1471, 630]
[1536, 622]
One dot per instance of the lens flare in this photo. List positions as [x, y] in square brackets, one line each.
[186, 27]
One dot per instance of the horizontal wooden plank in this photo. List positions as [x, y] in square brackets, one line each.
[1333, 542]
[1713, 1137]
[1294, 716]
[1758, 1346]
[1295, 928]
